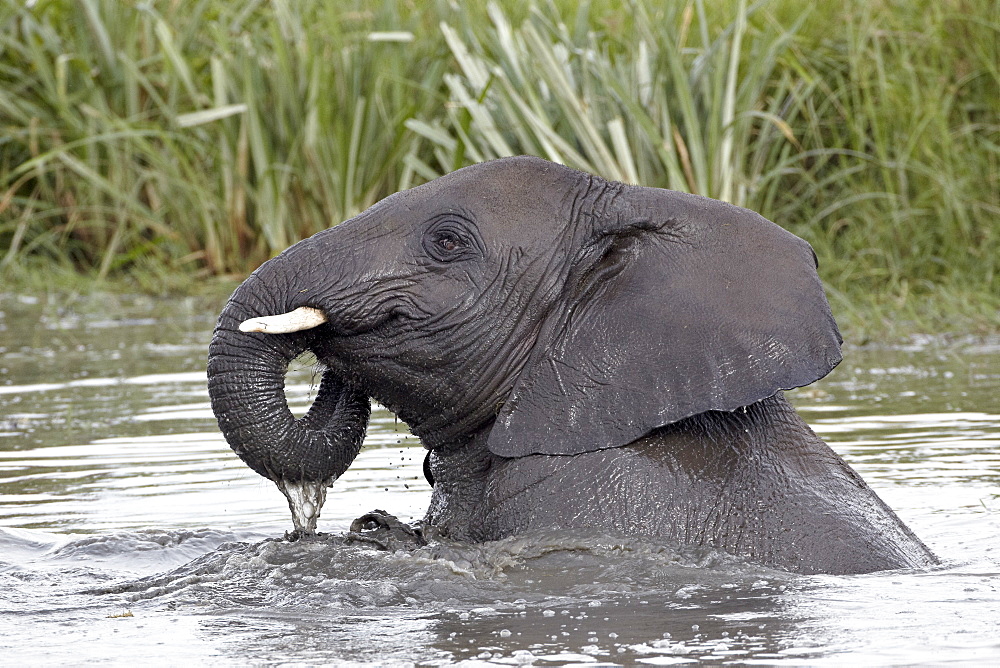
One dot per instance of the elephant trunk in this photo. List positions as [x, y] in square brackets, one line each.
[246, 382]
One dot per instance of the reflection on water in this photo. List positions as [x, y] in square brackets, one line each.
[126, 522]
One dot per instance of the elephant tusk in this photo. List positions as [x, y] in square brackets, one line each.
[304, 317]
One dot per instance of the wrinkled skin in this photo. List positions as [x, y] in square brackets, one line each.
[573, 353]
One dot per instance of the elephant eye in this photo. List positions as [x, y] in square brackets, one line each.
[448, 241]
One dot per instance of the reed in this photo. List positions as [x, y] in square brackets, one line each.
[197, 139]
[204, 136]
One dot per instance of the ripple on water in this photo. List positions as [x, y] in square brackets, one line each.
[564, 596]
[106, 431]
[331, 571]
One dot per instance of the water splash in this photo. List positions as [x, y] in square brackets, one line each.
[305, 500]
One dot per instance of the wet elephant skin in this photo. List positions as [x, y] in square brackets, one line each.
[573, 353]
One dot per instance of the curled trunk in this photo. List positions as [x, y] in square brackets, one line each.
[246, 382]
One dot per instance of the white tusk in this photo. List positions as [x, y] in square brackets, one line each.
[304, 317]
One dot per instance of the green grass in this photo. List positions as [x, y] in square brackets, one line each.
[171, 142]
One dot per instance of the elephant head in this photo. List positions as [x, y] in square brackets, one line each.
[545, 311]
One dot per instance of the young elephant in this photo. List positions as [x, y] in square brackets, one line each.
[574, 353]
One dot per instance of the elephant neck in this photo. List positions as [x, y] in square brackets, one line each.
[449, 431]
[459, 468]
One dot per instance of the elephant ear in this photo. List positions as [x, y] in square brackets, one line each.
[679, 305]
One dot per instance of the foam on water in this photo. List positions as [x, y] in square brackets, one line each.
[549, 592]
[338, 571]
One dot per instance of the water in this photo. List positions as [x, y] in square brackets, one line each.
[129, 532]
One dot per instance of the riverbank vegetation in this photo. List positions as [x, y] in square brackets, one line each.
[166, 143]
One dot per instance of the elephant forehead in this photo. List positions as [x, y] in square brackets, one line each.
[507, 178]
[526, 195]
[513, 202]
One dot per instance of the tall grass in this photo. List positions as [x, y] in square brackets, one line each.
[898, 186]
[673, 107]
[200, 138]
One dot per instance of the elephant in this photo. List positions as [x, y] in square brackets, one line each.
[573, 353]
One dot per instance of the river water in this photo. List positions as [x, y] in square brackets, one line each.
[130, 533]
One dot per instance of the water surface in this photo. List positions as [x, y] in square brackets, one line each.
[128, 529]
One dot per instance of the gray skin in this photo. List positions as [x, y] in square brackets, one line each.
[574, 353]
